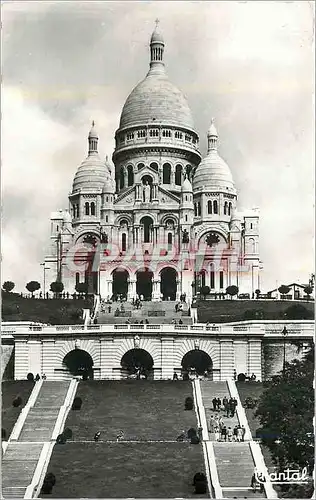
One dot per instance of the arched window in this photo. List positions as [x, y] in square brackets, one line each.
[188, 171]
[229, 209]
[124, 242]
[122, 180]
[166, 173]
[215, 205]
[140, 166]
[77, 207]
[87, 206]
[186, 218]
[106, 218]
[154, 165]
[251, 225]
[130, 175]
[178, 176]
[199, 208]
[195, 209]
[251, 245]
[203, 278]
[212, 279]
[77, 278]
[147, 223]
[169, 241]
[209, 207]
[226, 209]
[92, 208]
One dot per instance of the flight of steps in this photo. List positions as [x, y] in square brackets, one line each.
[210, 390]
[235, 467]
[168, 307]
[21, 457]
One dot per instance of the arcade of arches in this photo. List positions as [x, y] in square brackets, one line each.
[79, 363]
[161, 286]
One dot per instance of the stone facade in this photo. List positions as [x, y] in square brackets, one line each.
[160, 222]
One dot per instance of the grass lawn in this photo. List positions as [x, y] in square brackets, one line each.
[11, 390]
[225, 311]
[125, 470]
[143, 410]
[52, 311]
[254, 391]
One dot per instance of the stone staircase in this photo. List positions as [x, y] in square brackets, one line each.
[167, 309]
[219, 390]
[22, 455]
[235, 466]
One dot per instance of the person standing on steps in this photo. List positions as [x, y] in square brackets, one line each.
[243, 432]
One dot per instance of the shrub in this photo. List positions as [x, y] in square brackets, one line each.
[46, 488]
[241, 377]
[8, 286]
[77, 403]
[200, 487]
[67, 433]
[17, 402]
[30, 377]
[232, 290]
[191, 432]
[50, 477]
[205, 290]
[61, 439]
[188, 405]
[284, 290]
[3, 434]
[195, 439]
[199, 476]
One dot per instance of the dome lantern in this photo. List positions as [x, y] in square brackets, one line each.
[93, 140]
[157, 45]
[212, 137]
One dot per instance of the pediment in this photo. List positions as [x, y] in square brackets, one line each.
[167, 197]
[128, 197]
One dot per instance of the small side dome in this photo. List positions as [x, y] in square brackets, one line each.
[212, 132]
[93, 134]
[157, 37]
[109, 186]
[186, 186]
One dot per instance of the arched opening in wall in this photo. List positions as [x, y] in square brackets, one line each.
[202, 278]
[212, 277]
[178, 175]
[251, 245]
[87, 208]
[123, 246]
[199, 209]
[169, 241]
[120, 284]
[229, 209]
[144, 283]
[92, 206]
[226, 208]
[79, 363]
[168, 283]
[147, 178]
[154, 166]
[209, 207]
[195, 209]
[198, 362]
[147, 226]
[215, 205]
[137, 364]
[166, 173]
[122, 180]
[140, 166]
[130, 175]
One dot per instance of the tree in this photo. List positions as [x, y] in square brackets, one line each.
[257, 292]
[57, 287]
[308, 290]
[32, 286]
[284, 290]
[82, 288]
[8, 286]
[232, 290]
[205, 290]
[286, 411]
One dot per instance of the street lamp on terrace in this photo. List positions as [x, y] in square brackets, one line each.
[284, 333]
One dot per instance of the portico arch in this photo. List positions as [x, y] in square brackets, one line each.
[137, 363]
[168, 283]
[197, 360]
[79, 362]
[120, 283]
[144, 283]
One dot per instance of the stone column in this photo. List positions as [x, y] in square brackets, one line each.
[254, 358]
[131, 289]
[178, 292]
[110, 288]
[106, 358]
[21, 360]
[227, 359]
[167, 361]
[156, 290]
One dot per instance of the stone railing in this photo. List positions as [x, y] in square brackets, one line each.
[295, 329]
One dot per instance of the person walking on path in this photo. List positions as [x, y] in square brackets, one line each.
[214, 401]
[230, 434]
[243, 432]
[224, 433]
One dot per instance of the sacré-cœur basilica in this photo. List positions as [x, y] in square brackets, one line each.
[162, 221]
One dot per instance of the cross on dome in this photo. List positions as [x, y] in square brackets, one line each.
[157, 21]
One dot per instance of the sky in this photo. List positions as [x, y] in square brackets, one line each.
[247, 64]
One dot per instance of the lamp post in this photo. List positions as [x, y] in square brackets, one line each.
[284, 333]
[44, 280]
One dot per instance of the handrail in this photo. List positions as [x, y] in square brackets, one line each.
[261, 466]
[240, 410]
